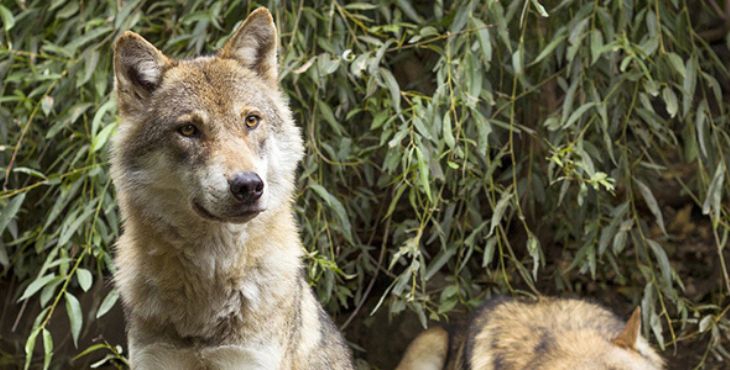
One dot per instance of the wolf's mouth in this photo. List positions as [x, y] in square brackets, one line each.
[204, 212]
[241, 217]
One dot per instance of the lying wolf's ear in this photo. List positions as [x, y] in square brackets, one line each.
[138, 68]
[632, 331]
[254, 45]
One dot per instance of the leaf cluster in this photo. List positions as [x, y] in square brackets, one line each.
[456, 150]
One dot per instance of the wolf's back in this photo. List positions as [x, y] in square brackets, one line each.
[549, 333]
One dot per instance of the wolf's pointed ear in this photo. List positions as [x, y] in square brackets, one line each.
[254, 45]
[632, 331]
[138, 68]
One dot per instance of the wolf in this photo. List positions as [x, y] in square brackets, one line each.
[208, 265]
[549, 334]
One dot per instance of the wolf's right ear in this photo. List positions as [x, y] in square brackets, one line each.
[138, 70]
[254, 45]
[631, 333]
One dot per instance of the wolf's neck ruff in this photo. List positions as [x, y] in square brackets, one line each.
[196, 286]
[204, 164]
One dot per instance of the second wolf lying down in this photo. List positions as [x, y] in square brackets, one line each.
[204, 164]
[551, 334]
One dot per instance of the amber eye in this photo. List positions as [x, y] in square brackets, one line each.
[252, 120]
[188, 130]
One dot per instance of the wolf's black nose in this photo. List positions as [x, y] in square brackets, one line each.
[247, 187]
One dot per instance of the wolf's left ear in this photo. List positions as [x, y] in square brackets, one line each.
[631, 333]
[254, 45]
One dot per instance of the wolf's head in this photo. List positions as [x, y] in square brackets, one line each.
[210, 137]
[592, 349]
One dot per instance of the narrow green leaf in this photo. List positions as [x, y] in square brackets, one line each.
[689, 84]
[517, 62]
[10, 210]
[47, 348]
[326, 65]
[439, 261]
[569, 98]
[533, 248]
[498, 211]
[329, 116]
[484, 129]
[423, 174]
[7, 18]
[651, 203]
[379, 119]
[596, 45]
[540, 9]
[489, 250]
[409, 11]
[109, 301]
[497, 10]
[655, 323]
[714, 193]
[485, 44]
[677, 63]
[448, 130]
[72, 227]
[578, 113]
[393, 87]
[577, 34]
[706, 323]
[30, 346]
[75, 316]
[46, 104]
[337, 206]
[360, 6]
[459, 20]
[662, 259]
[91, 60]
[557, 39]
[36, 285]
[70, 9]
[99, 115]
[99, 140]
[49, 290]
[700, 123]
[670, 99]
[85, 279]
[619, 241]
[4, 260]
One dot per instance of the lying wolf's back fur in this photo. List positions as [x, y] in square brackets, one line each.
[427, 352]
[210, 275]
[554, 334]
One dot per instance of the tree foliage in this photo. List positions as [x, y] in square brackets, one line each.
[456, 150]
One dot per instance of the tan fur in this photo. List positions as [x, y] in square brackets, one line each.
[551, 334]
[427, 352]
[206, 282]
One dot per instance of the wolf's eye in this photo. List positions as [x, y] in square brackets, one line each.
[188, 130]
[252, 120]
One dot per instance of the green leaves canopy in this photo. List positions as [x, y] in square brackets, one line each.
[456, 149]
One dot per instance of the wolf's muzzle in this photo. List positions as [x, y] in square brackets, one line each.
[246, 187]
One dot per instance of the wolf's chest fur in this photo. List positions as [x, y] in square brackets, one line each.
[198, 293]
[237, 305]
[210, 290]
